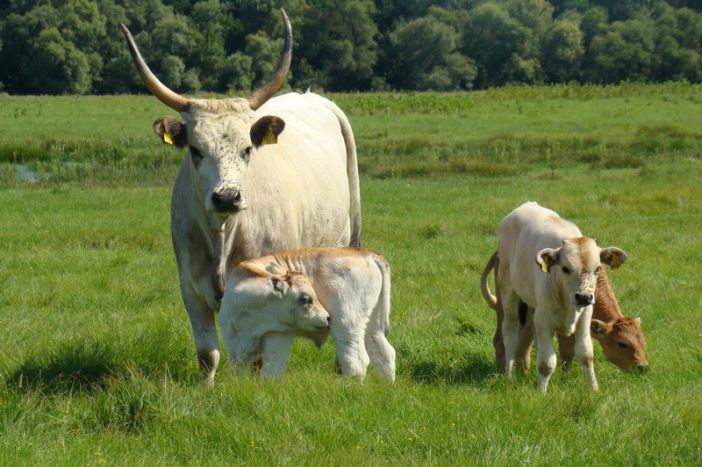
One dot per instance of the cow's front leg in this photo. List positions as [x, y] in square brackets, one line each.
[545, 355]
[583, 347]
[202, 320]
[276, 347]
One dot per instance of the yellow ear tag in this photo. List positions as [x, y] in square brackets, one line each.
[544, 265]
[270, 138]
[167, 137]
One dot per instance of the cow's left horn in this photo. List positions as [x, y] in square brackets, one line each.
[265, 92]
[172, 99]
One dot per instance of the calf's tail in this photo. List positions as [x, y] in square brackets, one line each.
[484, 287]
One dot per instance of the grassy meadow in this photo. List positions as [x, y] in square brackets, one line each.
[97, 364]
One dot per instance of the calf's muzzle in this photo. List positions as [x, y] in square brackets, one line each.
[584, 299]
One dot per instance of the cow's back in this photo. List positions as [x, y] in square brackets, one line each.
[524, 232]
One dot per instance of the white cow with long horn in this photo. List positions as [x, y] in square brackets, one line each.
[261, 175]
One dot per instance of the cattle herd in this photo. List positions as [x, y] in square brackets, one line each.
[266, 225]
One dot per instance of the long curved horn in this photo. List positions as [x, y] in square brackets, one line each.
[265, 92]
[157, 88]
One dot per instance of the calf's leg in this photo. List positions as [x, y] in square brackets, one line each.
[510, 329]
[566, 349]
[583, 348]
[276, 348]
[545, 355]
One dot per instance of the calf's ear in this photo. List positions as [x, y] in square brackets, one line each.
[266, 130]
[278, 285]
[274, 268]
[171, 131]
[547, 258]
[599, 328]
[612, 256]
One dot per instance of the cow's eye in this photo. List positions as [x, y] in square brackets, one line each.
[247, 153]
[195, 154]
[305, 299]
[623, 345]
[565, 270]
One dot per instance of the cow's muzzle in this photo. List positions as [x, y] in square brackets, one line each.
[228, 201]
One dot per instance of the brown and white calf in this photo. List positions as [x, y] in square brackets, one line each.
[272, 299]
[546, 263]
[620, 337]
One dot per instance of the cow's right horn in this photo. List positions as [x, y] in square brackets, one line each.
[265, 92]
[157, 88]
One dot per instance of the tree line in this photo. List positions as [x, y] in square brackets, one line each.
[76, 47]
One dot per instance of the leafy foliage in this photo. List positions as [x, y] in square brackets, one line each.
[75, 46]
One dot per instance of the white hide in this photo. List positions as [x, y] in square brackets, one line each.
[523, 234]
[353, 285]
[301, 191]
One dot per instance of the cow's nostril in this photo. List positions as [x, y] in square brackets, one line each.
[583, 299]
[227, 200]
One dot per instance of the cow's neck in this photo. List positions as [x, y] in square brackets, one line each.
[213, 228]
[606, 307]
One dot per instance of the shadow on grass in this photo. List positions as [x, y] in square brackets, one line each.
[473, 370]
[75, 366]
[91, 365]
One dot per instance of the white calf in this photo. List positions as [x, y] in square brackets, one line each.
[265, 297]
[547, 263]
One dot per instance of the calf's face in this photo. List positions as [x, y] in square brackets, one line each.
[622, 341]
[576, 265]
[296, 304]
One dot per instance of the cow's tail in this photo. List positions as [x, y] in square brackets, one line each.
[352, 174]
[484, 287]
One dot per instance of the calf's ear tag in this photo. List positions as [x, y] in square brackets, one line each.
[270, 137]
[544, 266]
[167, 137]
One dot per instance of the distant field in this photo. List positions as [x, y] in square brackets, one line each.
[97, 364]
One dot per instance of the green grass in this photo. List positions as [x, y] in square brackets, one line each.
[97, 363]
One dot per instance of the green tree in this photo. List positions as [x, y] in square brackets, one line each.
[426, 57]
[562, 52]
[623, 53]
[208, 52]
[495, 41]
[340, 48]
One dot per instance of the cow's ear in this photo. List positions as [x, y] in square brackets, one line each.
[599, 328]
[171, 131]
[547, 258]
[266, 130]
[278, 285]
[612, 256]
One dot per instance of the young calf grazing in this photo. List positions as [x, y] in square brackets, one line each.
[621, 337]
[270, 300]
[546, 263]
